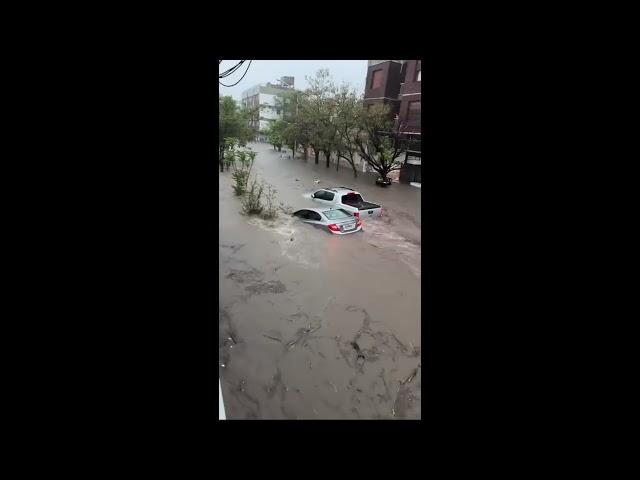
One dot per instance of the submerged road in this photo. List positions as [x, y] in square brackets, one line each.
[314, 325]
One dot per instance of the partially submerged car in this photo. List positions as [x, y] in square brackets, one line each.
[336, 220]
[383, 182]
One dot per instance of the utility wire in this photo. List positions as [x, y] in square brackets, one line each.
[231, 70]
[245, 72]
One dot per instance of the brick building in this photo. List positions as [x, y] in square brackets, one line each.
[398, 83]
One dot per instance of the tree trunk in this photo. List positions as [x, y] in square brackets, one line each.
[221, 159]
[317, 154]
[279, 148]
[328, 155]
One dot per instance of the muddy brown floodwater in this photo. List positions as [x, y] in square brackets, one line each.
[314, 325]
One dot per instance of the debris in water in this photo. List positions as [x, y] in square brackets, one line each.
[271, 337]
[334, 386]
[291, 239]
[223, 365]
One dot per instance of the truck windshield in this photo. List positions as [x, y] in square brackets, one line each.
[336, 214]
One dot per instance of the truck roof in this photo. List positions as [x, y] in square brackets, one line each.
[340, 190]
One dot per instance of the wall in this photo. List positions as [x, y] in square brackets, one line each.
[411, 91]
[389, 89]
[268, 113]
[390, 85]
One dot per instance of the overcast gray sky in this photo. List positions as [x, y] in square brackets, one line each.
[263, 71]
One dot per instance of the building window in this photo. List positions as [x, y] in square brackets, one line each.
[376, 79]
[418, 70]
[413, 115]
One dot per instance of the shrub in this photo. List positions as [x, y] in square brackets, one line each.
[270, 212]
[242, 162]
[240, 186]
[252, 204]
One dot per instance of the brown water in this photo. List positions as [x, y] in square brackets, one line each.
[314, 325]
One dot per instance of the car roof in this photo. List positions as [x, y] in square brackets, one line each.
[319, 210]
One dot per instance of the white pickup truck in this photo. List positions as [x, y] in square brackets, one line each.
[347, 199]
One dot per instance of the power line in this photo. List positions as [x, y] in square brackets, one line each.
[231, 70]
[245, 72]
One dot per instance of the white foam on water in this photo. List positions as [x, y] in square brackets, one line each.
[285, 226]
[409, 253]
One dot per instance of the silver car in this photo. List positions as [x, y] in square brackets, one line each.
[335, 220]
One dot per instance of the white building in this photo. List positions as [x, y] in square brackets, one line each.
[265, 97]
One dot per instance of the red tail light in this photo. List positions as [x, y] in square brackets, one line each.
[356, 214]
[334, 228]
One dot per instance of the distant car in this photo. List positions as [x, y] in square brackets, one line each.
[383, 182]
[347, 199]
[336, 220]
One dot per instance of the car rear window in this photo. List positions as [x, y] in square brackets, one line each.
[336, 214]
[351, 197]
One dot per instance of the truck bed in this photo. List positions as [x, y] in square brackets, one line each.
[361, 205]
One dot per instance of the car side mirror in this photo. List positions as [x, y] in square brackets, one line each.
[313, 195]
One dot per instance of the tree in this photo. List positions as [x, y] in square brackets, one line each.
[287, 101]
[347, 121]
[276, 134]
[300, 130]
[316, 109]
[379, 149]
[233, 122]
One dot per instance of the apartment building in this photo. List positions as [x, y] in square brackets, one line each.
[398, 83]
[264, 96]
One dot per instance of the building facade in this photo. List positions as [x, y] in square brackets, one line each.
[383, 84]
[264, 96]
[398, 83]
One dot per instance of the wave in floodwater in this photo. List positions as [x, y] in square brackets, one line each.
[382, 236]
[288, 228]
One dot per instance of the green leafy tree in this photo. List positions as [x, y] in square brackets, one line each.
[349, 111]
[376, 145]
[233, 122]
[317, 111]
[243, 159]
[276, 134]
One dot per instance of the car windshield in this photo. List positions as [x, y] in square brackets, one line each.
[336, 214]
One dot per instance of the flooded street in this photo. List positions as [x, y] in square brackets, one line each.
[314, 325]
